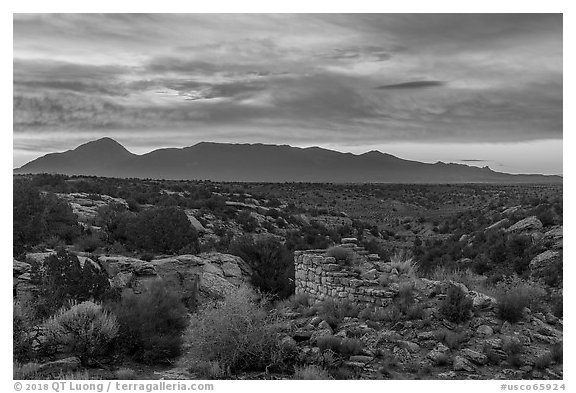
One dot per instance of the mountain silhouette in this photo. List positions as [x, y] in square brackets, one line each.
[262, 163]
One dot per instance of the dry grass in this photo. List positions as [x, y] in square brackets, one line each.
[311, 373]
[404, 263]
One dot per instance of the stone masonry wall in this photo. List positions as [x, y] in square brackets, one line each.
[367, 282]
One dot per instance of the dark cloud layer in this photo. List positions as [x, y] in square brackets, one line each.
[363, 79]
[413, 85]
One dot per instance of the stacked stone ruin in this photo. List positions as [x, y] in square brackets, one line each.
[368, 282]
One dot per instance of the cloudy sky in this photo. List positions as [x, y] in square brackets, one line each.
[475, 89]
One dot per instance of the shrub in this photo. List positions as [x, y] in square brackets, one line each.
[151, 323]
[392, 314]
[247, 221]
[334, 311]
[456, 306]
[405, 298]
[442, 360]
[311, 372]
[271, 262]
[342, 255]
[85, 330]
[416, 311]
[344, 346]
[511, 304]
[298, 301]
[237, 333]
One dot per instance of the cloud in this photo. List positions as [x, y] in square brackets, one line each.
[465, 78]
[413, 85]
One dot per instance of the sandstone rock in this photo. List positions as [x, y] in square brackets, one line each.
[118, 263]
[542, 260]
[462, 364]
[447, 375]
[409, 345]
[361, 359]
[369, 275]
[288, 342]
[484, 331]
[348, 240]
[512, 210]
[475, 357]
[527, 224]
[481, 300]
[83, 260]
[439, 352]
[215, 286]
[324, 325]
[212, 269]
[194, 222]
[426, 336]
[497, 225]
[554, 233]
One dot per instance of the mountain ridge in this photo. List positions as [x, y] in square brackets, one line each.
[259, 162]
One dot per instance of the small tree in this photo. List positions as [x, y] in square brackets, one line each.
[151, 323]
[271, 262]
[61, 278]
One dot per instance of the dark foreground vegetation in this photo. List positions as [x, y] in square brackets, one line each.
[463, 234]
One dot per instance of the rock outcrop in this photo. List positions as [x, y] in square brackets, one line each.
[531, 223]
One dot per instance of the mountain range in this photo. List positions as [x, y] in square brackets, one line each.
[262, 163]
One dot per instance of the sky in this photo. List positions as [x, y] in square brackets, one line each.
[478, 89]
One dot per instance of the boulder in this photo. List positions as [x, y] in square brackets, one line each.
[462, 364]
[361, 359]
[528, 224]
[484, 331]
[438, 352]
[543, 259]
[475, 357]
[215, 286]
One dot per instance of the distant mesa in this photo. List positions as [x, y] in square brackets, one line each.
[262, 163]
